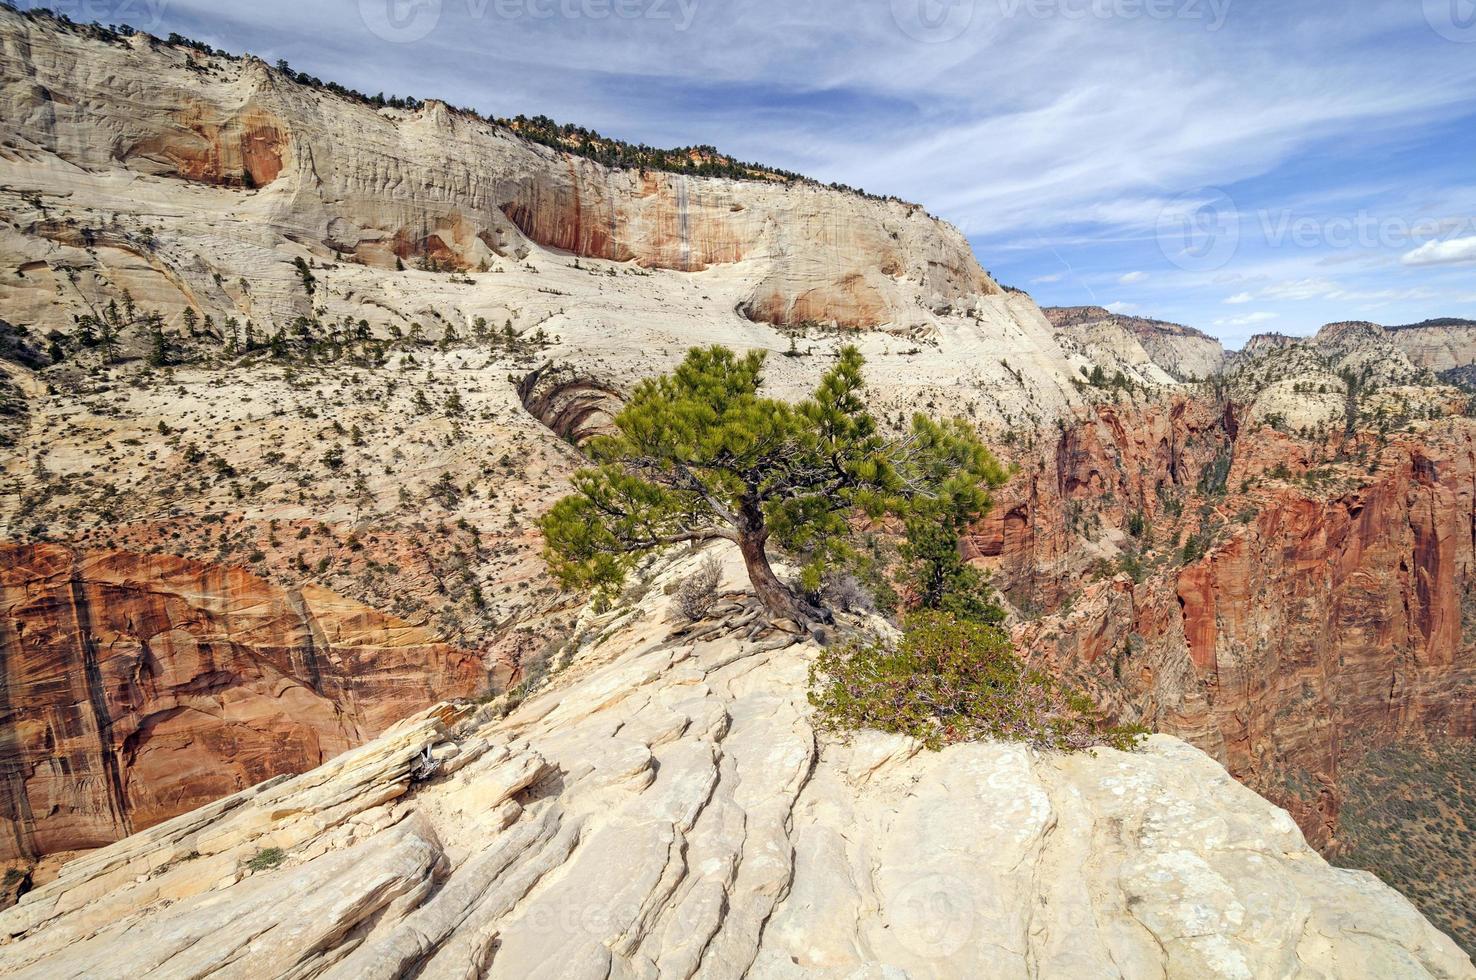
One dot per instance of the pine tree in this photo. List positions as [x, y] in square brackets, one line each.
[158, 342]
[86, 331]
[961, 471]
[305, 274]
[699, 455]
[107, 338]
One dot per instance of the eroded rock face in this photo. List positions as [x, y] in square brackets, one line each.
[574, 406]
[434, 185]
[1439, 345]
[243, 149]
[666, 809]
[1182, 352]
[138, 687]
[1111, 462]
[1324, 621]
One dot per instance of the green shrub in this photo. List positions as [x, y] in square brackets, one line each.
[949, 681]
[1137, 523]
[265, 860]
[1195, 548]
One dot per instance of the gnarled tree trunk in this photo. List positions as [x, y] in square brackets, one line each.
[778, 598]
[775, 594]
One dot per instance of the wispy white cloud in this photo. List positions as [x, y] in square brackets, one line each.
[1036, 136]
[1132, 277]
[1301, 289]
[1456, 251]
[1249, 320]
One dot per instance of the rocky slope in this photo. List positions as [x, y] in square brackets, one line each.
[466, 302]
[1180, 352]
[1137, 346]
[665, 809]
[256, 158]
[1349, 375]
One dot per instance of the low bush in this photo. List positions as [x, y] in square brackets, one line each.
[950, 681]
[265, 860]
[696, 594]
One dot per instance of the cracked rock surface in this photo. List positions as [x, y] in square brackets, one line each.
[664, 809]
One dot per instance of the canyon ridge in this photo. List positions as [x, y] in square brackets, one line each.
[278, 589]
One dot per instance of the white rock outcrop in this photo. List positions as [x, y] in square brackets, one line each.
[193, 182]
[665, 809]
[262, 156]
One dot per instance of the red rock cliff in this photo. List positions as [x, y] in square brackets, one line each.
[1327, 618]
[137, 687]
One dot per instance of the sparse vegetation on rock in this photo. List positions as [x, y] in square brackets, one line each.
[699, 455]
[698, 592]
[949, 680]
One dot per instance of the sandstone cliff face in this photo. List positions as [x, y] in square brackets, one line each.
[666, 809]
[1183, 353]
[1438, 345]
[138, 687]
[1111, 462]
[345, 180]
[1324, 621]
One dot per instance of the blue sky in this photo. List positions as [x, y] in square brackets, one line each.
[1238, 165]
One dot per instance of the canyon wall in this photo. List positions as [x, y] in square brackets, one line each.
[137, 687]
[350, 182]
[1330, 613]
[1182, 352]
[1439, 345]
[666, 808]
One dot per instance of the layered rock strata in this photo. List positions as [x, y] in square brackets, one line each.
[666, 809]
[138, 687]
